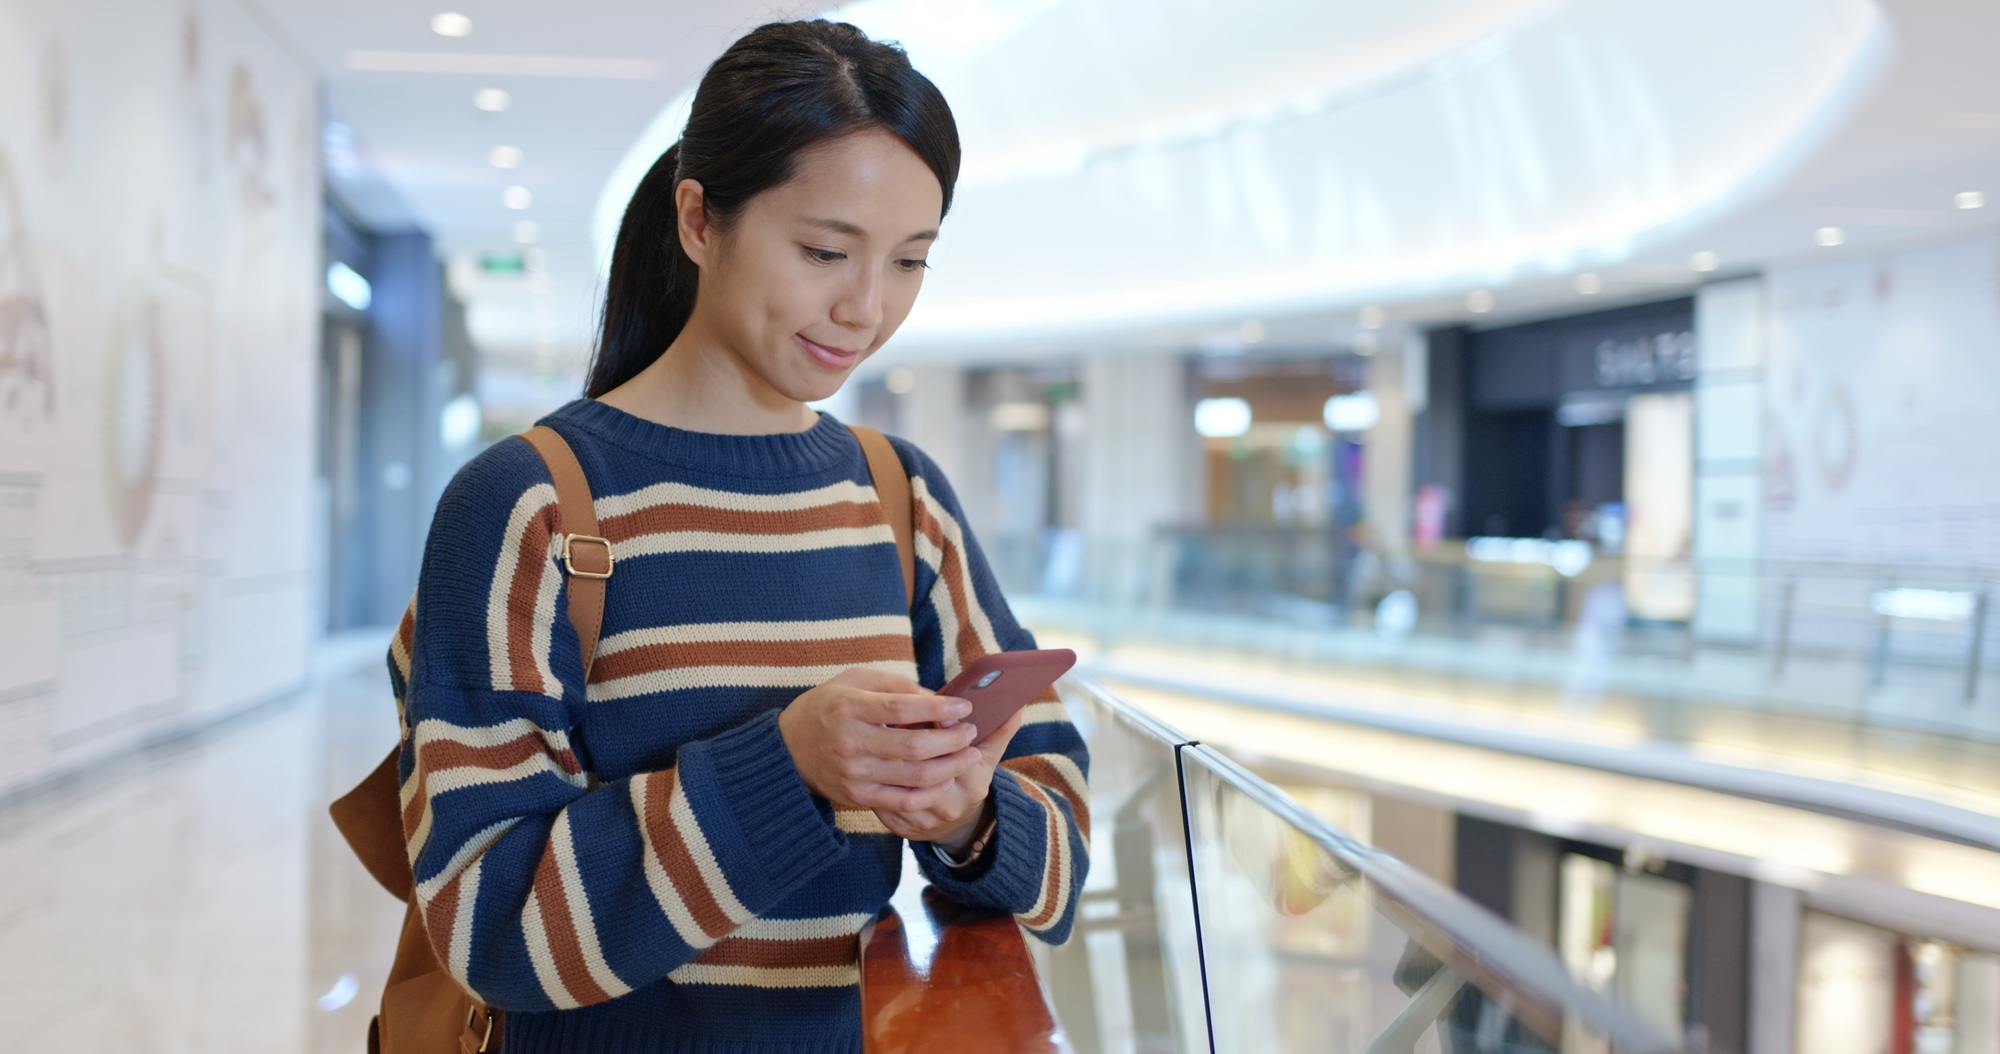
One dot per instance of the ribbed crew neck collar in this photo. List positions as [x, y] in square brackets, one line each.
[786, 454]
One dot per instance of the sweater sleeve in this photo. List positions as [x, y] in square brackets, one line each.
[541, 886]
[1040, 852]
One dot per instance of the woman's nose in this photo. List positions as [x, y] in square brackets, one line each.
[860, 307]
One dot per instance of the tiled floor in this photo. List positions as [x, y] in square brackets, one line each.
[197, 899]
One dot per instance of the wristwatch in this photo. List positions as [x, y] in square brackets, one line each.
[972, 851]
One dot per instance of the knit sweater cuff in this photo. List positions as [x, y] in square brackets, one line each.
[786, 832]
[1009, 876]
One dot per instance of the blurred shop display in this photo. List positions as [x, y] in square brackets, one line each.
[1865, 990]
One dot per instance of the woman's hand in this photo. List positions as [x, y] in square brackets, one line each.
[953, 818]
[841, 738]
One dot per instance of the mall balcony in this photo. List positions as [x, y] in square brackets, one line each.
[1515, 477]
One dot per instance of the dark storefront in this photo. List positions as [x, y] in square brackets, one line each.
[1526, 425]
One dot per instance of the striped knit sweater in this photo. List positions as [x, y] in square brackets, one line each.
[634, 864]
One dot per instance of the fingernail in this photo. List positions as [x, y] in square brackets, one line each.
[959, 708]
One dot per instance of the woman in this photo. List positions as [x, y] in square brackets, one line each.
[656, 861]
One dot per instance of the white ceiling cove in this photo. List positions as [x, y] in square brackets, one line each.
[1145, 171]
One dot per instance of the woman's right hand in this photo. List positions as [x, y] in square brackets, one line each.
[841, 738]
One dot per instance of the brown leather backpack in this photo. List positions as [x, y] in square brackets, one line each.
[424, 1009]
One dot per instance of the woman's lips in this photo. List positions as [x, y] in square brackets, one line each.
[831, 358]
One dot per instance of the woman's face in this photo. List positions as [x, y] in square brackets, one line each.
[817, 273]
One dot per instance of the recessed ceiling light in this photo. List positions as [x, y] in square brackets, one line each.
[1969, 199]
[517, 197]
[1829, 236]
[1704, 261]
[1251, 331]
[1371, 317]
[527, 232]
[902, 380]
[1589, 284]
[451, 24]
[535, 260]
[492, 100]
[1479, 301]
[1366, 342]
[504, 157]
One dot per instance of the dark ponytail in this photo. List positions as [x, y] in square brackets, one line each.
[782, 88]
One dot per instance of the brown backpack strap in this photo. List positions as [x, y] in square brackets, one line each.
[585, 554]
[370, 817]
[892, 486]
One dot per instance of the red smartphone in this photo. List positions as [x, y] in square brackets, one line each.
[999, 684]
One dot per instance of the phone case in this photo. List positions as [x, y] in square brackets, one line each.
[999, 684]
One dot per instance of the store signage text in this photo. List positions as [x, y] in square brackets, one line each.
[1661, 359]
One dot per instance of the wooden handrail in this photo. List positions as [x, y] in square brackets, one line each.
[956, 979]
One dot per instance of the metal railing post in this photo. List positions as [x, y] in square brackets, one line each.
[1972, 659]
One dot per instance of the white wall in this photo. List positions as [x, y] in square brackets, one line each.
[1730, 325]
[1879, 403]
[159, 247]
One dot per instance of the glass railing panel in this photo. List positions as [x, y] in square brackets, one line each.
[1741, 656]
[1129, 979]
[1313, 941]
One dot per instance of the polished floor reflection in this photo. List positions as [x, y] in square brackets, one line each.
[196, 898]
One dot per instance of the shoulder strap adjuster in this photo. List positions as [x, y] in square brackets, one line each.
[568, 553]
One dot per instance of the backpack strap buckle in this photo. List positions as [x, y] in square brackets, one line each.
[591, 568]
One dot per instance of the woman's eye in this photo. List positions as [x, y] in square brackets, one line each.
[913, 266]
[825, 256]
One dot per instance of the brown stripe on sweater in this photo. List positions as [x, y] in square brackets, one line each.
[441, 917]
[653, 658]
[1037, 767]
[671, 850]
[441, 754]
[1053, 872]
[413, 813]
[438, 755]
[523, 590]
[970, 649]
[771, 954]
[679, 517]
[560, 931]
[406, 638]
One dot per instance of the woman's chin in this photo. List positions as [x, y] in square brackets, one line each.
[812, 389]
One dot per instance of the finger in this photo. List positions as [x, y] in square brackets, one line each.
[879, 681]
[914, 744]
[918, 828]
[862, 772]
[995, 742]
[918, 773]
[905, 709]
[904, 801]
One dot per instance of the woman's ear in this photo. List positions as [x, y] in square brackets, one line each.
[691, 220]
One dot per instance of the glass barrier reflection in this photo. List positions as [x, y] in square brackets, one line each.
[1903, 647]
[1221, 915]
[1130, 977]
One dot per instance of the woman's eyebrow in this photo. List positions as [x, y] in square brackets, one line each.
[849, 229]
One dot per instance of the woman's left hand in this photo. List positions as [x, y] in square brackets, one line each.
[953, 820]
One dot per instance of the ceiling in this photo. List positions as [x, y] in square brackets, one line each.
[410, 150]
[1199, 171]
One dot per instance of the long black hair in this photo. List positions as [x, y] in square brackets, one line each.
[784, 87]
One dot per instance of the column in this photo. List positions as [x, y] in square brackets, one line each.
[1137, 468]
[1729, 459]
